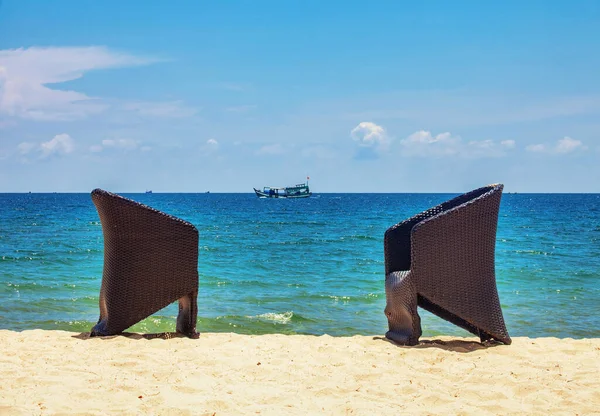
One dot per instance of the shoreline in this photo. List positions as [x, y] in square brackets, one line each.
[47, 371]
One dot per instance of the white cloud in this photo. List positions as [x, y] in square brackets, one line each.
[60, 144]
[482, 144]
[96, 148]
[369, 134]
[210, 146]
[271, 149]
[25, 147]
[423, 143]
[562, 146]
[536, 148]
[168, 109]
[568, 145]
[26, 73]
[116, 144]
[509, 144]
[126, 144]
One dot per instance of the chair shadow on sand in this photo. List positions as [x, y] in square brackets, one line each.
[133, 335]
[457, 345]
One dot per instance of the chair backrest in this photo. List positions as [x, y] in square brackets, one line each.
[150, 261]
[451, 248]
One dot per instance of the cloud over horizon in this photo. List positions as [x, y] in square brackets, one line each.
[211, 146]
[372, 140]
[167, 109]
[118, 144]
[422, 143]
[562, 146]
[369, 134]
[271, 149]
[61, 144]
[26, 73]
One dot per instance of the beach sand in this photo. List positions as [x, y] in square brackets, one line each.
[48, 372]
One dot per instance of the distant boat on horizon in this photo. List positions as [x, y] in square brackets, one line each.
[297, 191]
[148, 191]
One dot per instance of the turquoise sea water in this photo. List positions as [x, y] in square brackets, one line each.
[309, 266]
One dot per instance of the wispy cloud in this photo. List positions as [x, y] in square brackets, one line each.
[25, 75]
[271, 149]
[568, 145]
[117, 144]
[168, 109]
[536, 148]
[61, 144]
[25, 147]
[508, 144]
[240, 108]
[423, 143]
[7, 123]
[468, 108]
[562, 146]
[210, 147]
[318, 152]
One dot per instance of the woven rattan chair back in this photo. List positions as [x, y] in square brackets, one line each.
[150, 261]
[443, 260]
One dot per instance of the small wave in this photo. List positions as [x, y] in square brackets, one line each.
[534, 252]
[335, 298]
[8, 258]
[361, 237]
[280, 318]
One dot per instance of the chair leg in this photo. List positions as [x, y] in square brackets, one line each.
[99, 330]
[401, 308]
[188, 312]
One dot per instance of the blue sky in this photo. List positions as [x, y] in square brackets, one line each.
[398, 96]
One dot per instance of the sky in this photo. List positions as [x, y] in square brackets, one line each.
[386, 96]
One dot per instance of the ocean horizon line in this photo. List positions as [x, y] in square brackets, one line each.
[314, 193]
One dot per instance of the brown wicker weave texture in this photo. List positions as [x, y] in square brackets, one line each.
[150, 261]
[443, 261]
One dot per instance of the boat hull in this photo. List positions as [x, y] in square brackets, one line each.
[262, 194]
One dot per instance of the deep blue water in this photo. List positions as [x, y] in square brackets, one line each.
[310, 266]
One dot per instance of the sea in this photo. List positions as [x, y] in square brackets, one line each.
[299, 266]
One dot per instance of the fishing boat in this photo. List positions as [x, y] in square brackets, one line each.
[297, 191]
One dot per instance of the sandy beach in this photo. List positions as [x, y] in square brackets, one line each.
[49, 372]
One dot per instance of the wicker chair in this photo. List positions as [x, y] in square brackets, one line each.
[443, 261]
[150, 261]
